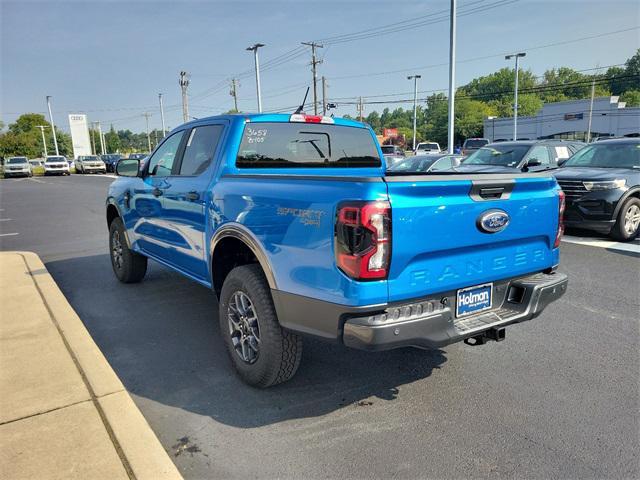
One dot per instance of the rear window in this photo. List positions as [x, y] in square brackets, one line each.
[476, 143]
[299, 145]
[428, 146]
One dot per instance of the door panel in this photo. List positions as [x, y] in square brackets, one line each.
[184, 202]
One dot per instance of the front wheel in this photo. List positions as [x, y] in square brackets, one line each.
[261, 351]
[628, 221]
[128, 266]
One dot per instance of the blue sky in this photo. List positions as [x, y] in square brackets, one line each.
[111, 58]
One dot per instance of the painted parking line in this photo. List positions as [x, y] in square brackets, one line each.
[104, 175]
[609, 245]
[5, 219]
[8, 234]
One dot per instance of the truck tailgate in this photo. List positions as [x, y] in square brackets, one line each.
[438, 245]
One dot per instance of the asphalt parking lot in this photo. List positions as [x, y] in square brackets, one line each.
[558, 399]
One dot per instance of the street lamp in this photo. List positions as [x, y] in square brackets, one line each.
[254, 49]
[415, 105]
[515, 94]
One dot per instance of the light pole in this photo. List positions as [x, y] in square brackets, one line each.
[493, 127]
[515, 93]
[164, 131]
[53, 127]
[254, 49]
[452, 76]
[44, 140]
[415, 105]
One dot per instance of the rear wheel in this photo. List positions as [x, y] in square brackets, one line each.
[262, 352]
[628, 221]
[128, 266]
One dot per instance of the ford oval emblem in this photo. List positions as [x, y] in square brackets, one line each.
[493, 221]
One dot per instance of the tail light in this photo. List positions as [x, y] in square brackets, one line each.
[304, 118]
[363, 240]
[560, 231]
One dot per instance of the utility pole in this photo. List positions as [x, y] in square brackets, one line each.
[101, 138]
[324, 96]
[146, 116]
[452, 76]
[234, 93]
[104, 140]
[44, 140]
[314, 62]
[53, 127]
[515, 93]
[184, 84]
[493, 127]
[164, 130]
[360, 109]
[93, 138]
[415, 105]
[593, 92]
[254, 49]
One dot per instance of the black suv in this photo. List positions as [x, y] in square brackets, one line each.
[602, 187]
[525, 155]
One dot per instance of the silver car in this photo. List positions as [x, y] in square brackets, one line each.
[90, 163]
[17, 166]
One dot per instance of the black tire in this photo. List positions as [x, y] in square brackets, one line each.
[279, 351]
[620, 230]
[128, 266]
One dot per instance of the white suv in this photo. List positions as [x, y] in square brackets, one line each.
[56, 165]
[17, 166]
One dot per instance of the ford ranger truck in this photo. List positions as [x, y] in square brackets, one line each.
[293, 223]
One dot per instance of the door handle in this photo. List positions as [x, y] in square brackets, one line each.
[193, 196]
[156, 192]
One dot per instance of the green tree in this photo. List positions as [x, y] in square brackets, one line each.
[24, 137]
[631, 98]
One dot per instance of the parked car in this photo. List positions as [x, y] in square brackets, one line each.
[56, 165]
[292, 221]
[90, 163]
[470, 145]
[36, 162]
[427, 163]
[602, 187]
[138, 156]
[524, 155]
[17, 167]
[392, 154]
[425, 148]
[110, 161]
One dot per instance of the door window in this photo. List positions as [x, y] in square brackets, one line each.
[540, 153]
[200, 149]
[162, 160]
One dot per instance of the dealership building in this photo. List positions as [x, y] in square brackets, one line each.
[570, 120]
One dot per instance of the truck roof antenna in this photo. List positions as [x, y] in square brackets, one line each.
[301, 107]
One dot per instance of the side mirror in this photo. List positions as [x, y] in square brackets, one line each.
[128, 167]
[533, 162]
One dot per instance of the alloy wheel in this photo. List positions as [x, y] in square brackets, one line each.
[244, 327]
[632, 219]
[116, 250]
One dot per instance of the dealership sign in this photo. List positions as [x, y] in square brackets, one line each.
[390, 132]
[79, 135]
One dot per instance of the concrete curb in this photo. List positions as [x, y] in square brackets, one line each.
[139, 449]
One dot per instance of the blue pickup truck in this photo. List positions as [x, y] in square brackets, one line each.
[294, 224]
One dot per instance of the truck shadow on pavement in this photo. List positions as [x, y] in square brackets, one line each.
[162, 338]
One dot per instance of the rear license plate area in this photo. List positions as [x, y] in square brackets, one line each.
[475, 299]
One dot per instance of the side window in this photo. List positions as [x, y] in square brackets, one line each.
[161, 162]
[200, 148]
[442, 164]
[540, 153]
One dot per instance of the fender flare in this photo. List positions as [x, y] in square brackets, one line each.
[242, 233]
[111, 202]
[623, 198]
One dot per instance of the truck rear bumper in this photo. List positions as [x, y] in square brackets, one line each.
[519, 300]
[428, 322]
